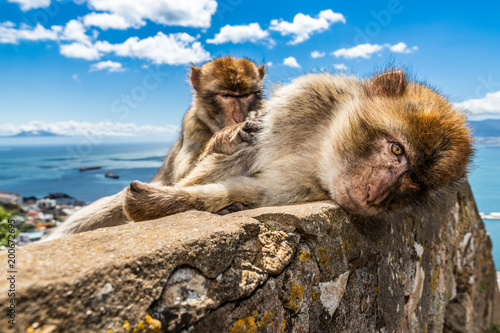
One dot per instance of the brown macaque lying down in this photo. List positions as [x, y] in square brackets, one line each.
[374, 146]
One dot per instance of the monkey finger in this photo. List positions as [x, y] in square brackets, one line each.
[246, 137]
[136, 186]
[252, 126]
[236, 207]
[222, 212]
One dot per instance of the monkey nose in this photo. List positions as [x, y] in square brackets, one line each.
[376, 194]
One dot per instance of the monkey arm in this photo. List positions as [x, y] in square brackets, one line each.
[146, 202]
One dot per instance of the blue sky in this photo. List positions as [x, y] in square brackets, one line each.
[119, 66]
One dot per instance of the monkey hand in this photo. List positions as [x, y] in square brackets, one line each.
[148, 202]
[232, 138]
[236, 207]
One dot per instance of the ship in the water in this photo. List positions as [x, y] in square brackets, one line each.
[89, 168]
[110, 175]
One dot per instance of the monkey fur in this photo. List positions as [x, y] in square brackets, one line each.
[374, 146]
[227, 91]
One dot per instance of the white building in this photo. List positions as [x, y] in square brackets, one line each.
[46, 203]
[11, 197]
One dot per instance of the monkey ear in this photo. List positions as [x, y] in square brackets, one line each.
[388, 84]
[262, 71]
[195, 76]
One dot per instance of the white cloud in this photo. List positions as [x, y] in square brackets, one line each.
[80, 50]
[340, 67]
[10, 35]
[74, 128]
[487, 107]
[107, 21]
[31, 4]
[367, 50]
[401, 48]
[173, 49]
[239, 34]
[291, 62]
[269, 64]
[303, 26]
[359, 51]
[74, 42]
[75, 31]
[317, 54]
[186, 13]
[110, 66]
[72, 31]
[76, 77]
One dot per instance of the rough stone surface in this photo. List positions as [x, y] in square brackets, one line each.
[301, 268]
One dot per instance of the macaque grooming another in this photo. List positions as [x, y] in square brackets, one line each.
[226, 91]
[374, 146]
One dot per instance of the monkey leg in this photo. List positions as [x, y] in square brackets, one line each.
[146, 202]
[105, 212]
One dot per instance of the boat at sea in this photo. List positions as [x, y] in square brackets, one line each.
[89, 168]
[110, 175]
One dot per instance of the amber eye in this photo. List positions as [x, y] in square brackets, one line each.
[397, 149]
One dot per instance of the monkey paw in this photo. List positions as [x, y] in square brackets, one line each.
[248, 130]
[140, 201]
[236, 207]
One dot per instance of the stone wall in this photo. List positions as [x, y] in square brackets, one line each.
[301, 268]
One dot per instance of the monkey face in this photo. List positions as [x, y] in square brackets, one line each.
[228, 89]
[377, 183]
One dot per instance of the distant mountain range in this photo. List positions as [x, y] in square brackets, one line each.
[35, 133]
[486, 128]
[482, 128]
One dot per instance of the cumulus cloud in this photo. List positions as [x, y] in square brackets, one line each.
[173, 49]
[107, 21]
[317, 54]
[105, 128]
[110, 66]
[74, 31]
[80, 51]
[9, 34]
[359, 51]
[239, 34]
[487, 107]
[401, 48]
[303, 26]
[367, 50]
[187, 13]
[291, 62]
[340, 67]
[31, 4]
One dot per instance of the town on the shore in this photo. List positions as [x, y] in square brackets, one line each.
[35, 217]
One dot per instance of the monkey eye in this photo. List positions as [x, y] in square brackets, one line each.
[397, 149]
[223, 95]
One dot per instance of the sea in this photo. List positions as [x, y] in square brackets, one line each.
[39, 166]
